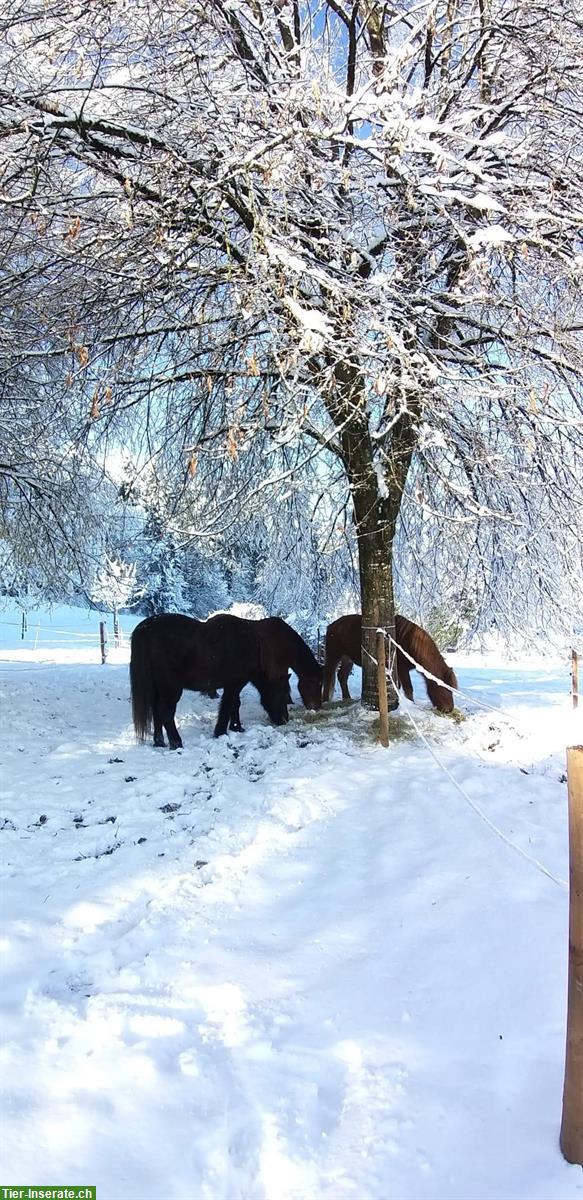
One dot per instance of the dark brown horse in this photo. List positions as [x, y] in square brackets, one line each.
[287, 650]
[171, 652]
[343, 646]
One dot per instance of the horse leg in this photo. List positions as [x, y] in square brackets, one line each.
[167, 710]
[229, 704]
[404, 668]
[158, 730]
[331, 660]
[235, 722]
[344, 670]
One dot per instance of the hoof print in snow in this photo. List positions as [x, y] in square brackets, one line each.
[200, 862]
[115, 760]
[108, 821]
[110, 850]
[41, 821]
[169, 808]
[130, 778]
[562, 778]
[79, 823]
[524, 771]
[140, 840]
[7, 824]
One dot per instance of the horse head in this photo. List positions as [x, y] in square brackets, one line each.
[310, 689]
[441, 696]
[275, 697]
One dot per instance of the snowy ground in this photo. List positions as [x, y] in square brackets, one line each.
[288, 965]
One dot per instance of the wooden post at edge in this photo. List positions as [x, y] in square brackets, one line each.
[575, 677]
[571, 1139]
[103, 641]
[382, 685]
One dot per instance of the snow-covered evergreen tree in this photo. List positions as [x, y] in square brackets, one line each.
[114, 588]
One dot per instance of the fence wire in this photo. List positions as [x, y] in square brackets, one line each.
[475, 807]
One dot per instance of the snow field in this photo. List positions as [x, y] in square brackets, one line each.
[286, 965]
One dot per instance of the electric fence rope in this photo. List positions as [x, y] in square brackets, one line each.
[512, 720]
[476, 808]
[50, 630]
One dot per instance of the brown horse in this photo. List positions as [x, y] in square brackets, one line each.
[343, 646]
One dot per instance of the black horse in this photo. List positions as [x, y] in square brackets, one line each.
[286, 649]
[171, 652]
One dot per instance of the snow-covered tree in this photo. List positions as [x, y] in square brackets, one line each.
[114, 588]
[276, 231]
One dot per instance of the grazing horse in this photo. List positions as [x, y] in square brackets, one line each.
[343, 645]
[285, 649]
[171, 652]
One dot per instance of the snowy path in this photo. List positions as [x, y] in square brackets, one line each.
[285, 966]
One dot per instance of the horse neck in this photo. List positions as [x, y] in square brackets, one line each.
[419, 644]
[302, 661]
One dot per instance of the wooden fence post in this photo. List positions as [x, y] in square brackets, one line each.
[24, 626]
[572, 1123]
[103, 641]
[382, 685]
[575, 677]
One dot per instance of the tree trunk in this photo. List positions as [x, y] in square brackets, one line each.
[375, 562]
[375, 519]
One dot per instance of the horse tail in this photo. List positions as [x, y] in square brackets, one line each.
[142, 684]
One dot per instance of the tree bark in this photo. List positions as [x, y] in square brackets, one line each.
[375, 562]
[376, 510]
